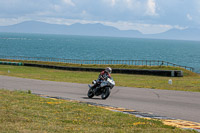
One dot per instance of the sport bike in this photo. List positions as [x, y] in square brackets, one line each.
[101, 88]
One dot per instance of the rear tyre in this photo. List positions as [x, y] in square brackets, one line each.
[90, 93]
[106, 93]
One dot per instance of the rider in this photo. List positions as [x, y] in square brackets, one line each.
[103, 76]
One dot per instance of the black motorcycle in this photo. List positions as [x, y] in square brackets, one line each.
[101, 88]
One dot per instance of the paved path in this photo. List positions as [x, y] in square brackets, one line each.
[175, 104]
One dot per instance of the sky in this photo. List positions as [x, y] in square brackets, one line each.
[147, 16]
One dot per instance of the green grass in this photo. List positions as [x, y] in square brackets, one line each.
[24, 112]
[190, 82]
[185, 72]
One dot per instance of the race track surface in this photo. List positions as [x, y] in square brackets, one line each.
[175, 104]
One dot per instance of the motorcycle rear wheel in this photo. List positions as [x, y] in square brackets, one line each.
[106, 93]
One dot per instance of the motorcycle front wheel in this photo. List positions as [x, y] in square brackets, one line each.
[90, 93]
[105, 93]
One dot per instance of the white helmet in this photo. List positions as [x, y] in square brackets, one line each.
[108, 70]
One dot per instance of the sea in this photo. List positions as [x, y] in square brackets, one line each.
[180, 52]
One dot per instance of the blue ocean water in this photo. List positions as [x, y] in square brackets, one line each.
[185, 53]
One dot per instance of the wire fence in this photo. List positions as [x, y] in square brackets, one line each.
[100, 62]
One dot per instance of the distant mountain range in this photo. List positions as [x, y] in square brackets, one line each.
[97, 30]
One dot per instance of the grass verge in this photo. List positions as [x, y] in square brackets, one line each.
[24, 112]
[191, 82]
[185, 72]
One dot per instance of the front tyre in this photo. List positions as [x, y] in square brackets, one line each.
[90, 93]
[105, 93]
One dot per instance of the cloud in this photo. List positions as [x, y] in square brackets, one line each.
[151, 8]
[123, 14]
[144, 28]
[69, 2]
[113, 2]
[135, 5]
[179, 27]
[189, 17]
[11, 21]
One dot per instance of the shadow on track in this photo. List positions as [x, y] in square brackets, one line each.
[91, 98]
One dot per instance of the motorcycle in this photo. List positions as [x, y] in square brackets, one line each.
[101, 88]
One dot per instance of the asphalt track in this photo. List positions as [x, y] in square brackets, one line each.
[174, 104]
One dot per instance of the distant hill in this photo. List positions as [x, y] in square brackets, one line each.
[74, 29]
[186, 34]
[97, 30]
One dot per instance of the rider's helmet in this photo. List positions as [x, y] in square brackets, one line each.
[108, 70]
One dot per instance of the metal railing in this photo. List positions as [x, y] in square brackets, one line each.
[101, 62]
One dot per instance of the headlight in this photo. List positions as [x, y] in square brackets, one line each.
[94, 82]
